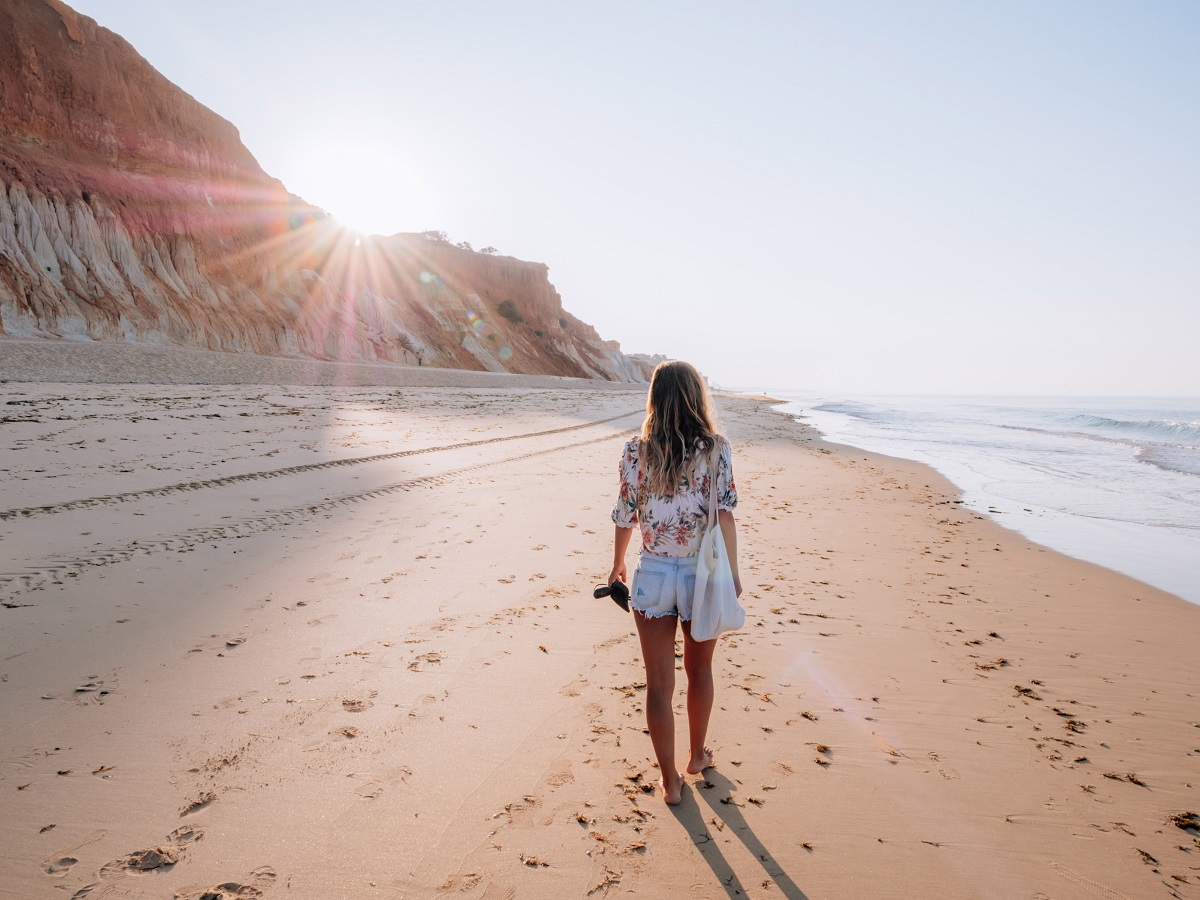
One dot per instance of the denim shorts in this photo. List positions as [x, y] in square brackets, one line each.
[663, 586]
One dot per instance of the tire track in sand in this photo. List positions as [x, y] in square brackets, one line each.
[12, 584]
[167, 490]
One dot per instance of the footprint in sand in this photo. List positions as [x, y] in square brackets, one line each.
[95, 891]
[59, 867]
[887, 748]
[184, 835]
[356, 706]
[370, 791]
[563, 775]
[231, 702]
[141, 861]
[252, 887]
[574, 688]
[93, 690]
[199, 802]
[431, 658]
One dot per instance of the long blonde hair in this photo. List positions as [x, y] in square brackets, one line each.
[679, 424]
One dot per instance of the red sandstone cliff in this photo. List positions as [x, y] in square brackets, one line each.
[130, 212]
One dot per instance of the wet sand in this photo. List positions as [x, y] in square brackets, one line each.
[323, 639]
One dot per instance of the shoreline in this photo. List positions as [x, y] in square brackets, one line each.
[314, 615]
[1130, 546]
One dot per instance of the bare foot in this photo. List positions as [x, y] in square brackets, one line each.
[701, 762]
[673, 795]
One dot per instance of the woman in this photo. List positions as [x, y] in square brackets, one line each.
[665, 489]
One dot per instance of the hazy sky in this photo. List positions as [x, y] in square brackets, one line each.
[926, 197]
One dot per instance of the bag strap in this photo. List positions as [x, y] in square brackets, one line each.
[713, 464]
[637, 480]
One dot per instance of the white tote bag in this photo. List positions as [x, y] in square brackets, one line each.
[715, 607]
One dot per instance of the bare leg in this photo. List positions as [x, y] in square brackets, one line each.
[697, 663]
[658, 651]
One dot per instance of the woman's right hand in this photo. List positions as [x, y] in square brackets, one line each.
[617, 574]
[621, 538]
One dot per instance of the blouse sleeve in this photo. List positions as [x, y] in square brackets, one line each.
[727, 497]
[624, 511]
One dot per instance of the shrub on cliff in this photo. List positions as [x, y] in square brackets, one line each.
[508, 309]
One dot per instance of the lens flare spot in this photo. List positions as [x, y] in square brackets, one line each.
[426, 278]
[505, 354]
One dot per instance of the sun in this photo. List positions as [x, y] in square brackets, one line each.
[362, 183]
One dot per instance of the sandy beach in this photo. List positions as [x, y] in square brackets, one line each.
[283, 629]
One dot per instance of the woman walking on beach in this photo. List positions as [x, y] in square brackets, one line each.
[665, 479]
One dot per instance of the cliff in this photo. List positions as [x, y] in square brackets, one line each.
[131, 212]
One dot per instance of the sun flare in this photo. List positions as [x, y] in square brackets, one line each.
[364, 185]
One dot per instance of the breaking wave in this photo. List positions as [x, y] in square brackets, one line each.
[1154, 429]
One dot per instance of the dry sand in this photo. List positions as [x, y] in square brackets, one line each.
[339, 641]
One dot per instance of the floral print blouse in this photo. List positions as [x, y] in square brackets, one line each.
[672, 524]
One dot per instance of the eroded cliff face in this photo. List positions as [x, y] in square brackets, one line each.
[130, 212]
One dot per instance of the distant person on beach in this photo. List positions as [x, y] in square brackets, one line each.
[665, 490]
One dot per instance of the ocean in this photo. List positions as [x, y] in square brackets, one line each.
[1115, 481]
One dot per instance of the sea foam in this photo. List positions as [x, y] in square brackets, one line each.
[1115, 481]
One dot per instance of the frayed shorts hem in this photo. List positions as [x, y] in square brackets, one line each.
[650, 614]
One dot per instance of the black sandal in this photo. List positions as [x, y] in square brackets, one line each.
[617, 590]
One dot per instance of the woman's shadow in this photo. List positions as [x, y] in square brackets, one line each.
[718, 794]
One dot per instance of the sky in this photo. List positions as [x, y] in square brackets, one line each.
[929, 197]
